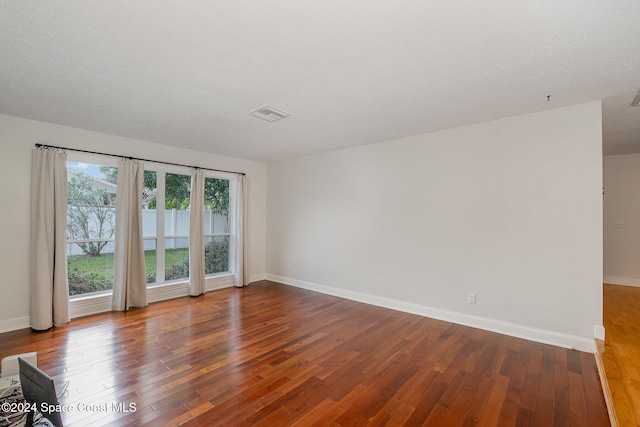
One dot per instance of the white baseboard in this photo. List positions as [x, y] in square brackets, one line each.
[94, 304]
[512, 329]
[218, 282]
[257, 277]
[625, 281]
[15, 324]
[102, 303]
[85, 306]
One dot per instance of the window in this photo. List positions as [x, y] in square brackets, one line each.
[172, 238]
[90, 226]
[176, 226]
[149, 233]
[216, 225]
[165, 224]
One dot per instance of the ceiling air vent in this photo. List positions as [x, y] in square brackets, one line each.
[269, 114]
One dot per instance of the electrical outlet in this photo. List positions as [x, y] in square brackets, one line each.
[471, 298]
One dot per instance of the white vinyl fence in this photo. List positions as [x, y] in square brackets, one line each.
[176, 229]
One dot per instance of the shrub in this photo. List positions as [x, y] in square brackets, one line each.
[216, 256]
[83, 283]
[216, 260]
[178, 271]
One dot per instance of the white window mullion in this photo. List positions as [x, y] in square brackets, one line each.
[233, 224]
[160, 243]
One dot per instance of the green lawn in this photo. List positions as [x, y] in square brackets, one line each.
[100, 268]
[88, 274]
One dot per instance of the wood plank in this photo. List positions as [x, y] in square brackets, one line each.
[272, 354]
[621, 352]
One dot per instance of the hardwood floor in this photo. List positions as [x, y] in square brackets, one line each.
[271, 354]
[621, 356]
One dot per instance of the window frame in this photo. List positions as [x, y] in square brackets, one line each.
[93, 159]
[232, 224]
[96, 302]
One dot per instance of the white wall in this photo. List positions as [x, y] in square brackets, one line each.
[510, 210]
[17, 138]
[621, 176]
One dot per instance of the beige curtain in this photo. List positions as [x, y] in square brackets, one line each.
[196, 234]
[242, 274]
[129, 279]
[49, 287]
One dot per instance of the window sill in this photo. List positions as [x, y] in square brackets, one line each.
[100, 303]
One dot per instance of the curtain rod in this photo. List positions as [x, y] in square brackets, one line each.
[136, 158]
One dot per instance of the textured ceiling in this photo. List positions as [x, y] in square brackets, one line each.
[348, 72]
